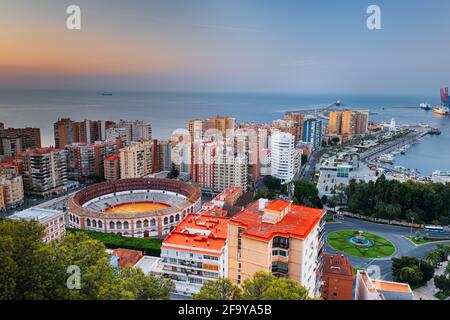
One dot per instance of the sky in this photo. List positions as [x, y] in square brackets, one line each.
[226, 46]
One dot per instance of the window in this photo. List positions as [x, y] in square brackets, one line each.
[279, 267]
[111, 225]
[125, 225]
[139, 224]
[280, 242]
[152, 223]
[281, 253]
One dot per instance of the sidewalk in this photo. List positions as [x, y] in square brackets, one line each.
[427, 292]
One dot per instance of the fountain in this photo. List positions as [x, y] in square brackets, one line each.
[360, 240]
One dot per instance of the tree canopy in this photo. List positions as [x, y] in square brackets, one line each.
[391, 199]
[32, 269]
[306, 193]
[174, 172]
[262, 286]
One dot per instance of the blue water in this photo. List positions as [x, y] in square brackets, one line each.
[169, 111]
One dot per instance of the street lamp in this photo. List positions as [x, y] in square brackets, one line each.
[412, 222]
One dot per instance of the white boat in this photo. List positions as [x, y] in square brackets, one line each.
[425, 106]
[441, 176]
[387, 158]
[441, 110]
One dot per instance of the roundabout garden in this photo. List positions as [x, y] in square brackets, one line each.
[360, 244]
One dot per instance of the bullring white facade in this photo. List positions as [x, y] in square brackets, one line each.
[87, 209]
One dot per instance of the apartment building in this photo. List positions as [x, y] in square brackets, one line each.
[283, 156]
[164, 155]
[86, 160]
[112, 167]
[136, 160]
[279, 237]
[230, 170]
[44, 170]
[129, 131]
[377, 289]
[313, 132]
[338, 277]
[15, 140]
[52, 220]
[348, 123]
[67, 131]
[195, 252]
[11, 191]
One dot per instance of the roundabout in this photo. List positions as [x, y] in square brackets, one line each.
[360, 244]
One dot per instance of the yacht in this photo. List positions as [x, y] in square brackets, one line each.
[387, 158]
[425, 106]
[441, 110]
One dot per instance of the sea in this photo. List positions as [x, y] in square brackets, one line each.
[168, 111]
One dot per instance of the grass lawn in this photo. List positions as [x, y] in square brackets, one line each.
[339, 240]
[151, 247]
[422, 241]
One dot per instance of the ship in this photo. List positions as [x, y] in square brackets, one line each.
[425, 106]
[441, 176]
[386, 158]
[106, 94]
[441, 110]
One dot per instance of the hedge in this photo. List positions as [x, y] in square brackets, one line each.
[150, 247]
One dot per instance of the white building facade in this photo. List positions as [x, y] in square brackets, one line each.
[283, 156]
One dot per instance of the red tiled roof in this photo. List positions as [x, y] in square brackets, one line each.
[127, 256]
[337, 265]
[112, 157]
[188, 235]
[297, 223]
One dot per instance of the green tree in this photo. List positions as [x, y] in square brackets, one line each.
[265, 286]
[306, 193]
[28, 268]
[442, 282]
[221, 289]
[32, 269]
[411, 275]
[132, 284]
[272, 183]
[90, 256]
[285, 289]
[304, 159]
[174, 172]
[255, 287]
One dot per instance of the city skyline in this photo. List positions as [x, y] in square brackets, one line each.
[254, 46]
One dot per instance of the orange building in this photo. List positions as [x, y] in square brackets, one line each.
[337, 277]
[112, 167]
[277, 237]
[348, 122]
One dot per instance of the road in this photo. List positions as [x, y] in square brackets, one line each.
[394, 234]
[307, 173]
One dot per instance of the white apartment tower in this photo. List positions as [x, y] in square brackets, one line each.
[283, 156]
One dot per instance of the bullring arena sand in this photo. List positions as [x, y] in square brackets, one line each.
[137, 207]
